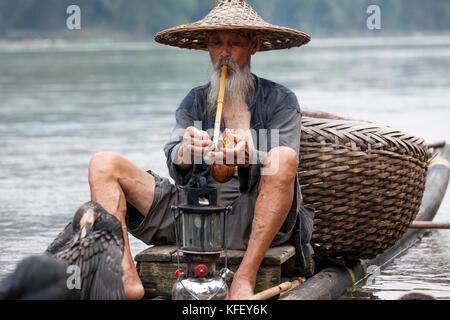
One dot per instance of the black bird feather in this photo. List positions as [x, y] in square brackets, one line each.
[98, 254]
[38, 278]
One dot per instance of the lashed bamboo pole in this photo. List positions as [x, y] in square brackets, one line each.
[430, 225]
[437, 144]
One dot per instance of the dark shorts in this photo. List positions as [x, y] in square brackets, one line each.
[157, 227]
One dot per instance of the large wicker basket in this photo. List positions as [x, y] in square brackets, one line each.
[365, 183]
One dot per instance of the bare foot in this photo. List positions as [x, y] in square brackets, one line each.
[241, 289]
[132, 285]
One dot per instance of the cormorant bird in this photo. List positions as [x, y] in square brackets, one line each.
[38, 278]
[93, 241]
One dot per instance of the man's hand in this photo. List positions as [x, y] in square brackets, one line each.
[238, 153]
[195, 143]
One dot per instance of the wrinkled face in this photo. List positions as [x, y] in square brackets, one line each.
[236, 46]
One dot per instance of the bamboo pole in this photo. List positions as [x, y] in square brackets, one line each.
[274, 291]
[430, 225]
[287, 286]
[436, 144]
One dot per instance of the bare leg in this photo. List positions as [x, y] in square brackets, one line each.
[272, 206]
[115, 180]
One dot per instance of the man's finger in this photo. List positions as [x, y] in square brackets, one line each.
[229, 156]
[200, 143]
[214, 157]
[241, 145]
[237, 155]
[199, 134]
[236, 139]
[198, 150]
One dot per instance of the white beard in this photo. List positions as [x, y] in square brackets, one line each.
[238, 85]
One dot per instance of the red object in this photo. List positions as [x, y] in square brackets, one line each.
[201, 270]
[178, 272]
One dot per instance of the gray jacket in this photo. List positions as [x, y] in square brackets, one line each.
[275, 121]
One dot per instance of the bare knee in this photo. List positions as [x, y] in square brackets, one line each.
[103, 165]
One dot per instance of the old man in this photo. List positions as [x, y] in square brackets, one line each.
[265, 120]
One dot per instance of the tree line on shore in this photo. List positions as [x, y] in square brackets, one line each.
[146, 17]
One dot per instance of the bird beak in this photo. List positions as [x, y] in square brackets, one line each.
[85, 230]
[86, 223]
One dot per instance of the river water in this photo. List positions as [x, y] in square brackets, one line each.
[60, 103]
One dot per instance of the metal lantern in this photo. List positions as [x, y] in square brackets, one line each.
[200, 235]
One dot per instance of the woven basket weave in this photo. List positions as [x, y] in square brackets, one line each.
[365, 182]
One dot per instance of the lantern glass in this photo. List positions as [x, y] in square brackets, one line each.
[202, 232]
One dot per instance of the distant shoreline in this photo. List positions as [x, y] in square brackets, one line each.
[113, 44]
[94, 34]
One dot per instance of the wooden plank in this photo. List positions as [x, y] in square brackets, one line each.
[278, 255]
[156, 253]
[157, 265]
[159, 277]
[274, 256]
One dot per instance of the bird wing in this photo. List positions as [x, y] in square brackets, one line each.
[107, 283]
[61, 240]
[99, 257]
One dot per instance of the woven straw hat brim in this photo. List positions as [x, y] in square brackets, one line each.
[232, 15]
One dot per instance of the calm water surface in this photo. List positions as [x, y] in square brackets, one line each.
[59, 104]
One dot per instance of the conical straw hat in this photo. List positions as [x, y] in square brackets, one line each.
[232, 15]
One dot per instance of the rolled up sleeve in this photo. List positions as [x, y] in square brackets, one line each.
[284, 125]
[184, 118]
[283, 129]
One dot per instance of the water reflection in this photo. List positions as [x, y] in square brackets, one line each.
[423, 268]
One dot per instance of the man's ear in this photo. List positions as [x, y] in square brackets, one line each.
[256, 43]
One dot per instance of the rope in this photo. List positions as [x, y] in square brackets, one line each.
[441, 161]
[352, 275]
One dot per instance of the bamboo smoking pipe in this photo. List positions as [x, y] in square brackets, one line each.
[220, 172]
[223, 79]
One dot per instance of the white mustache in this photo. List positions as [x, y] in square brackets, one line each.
[238, 84]
[226, 62]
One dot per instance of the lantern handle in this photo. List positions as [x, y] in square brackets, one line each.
[227, 211]
[176, 215]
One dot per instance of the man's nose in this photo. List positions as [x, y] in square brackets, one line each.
[225, 53]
